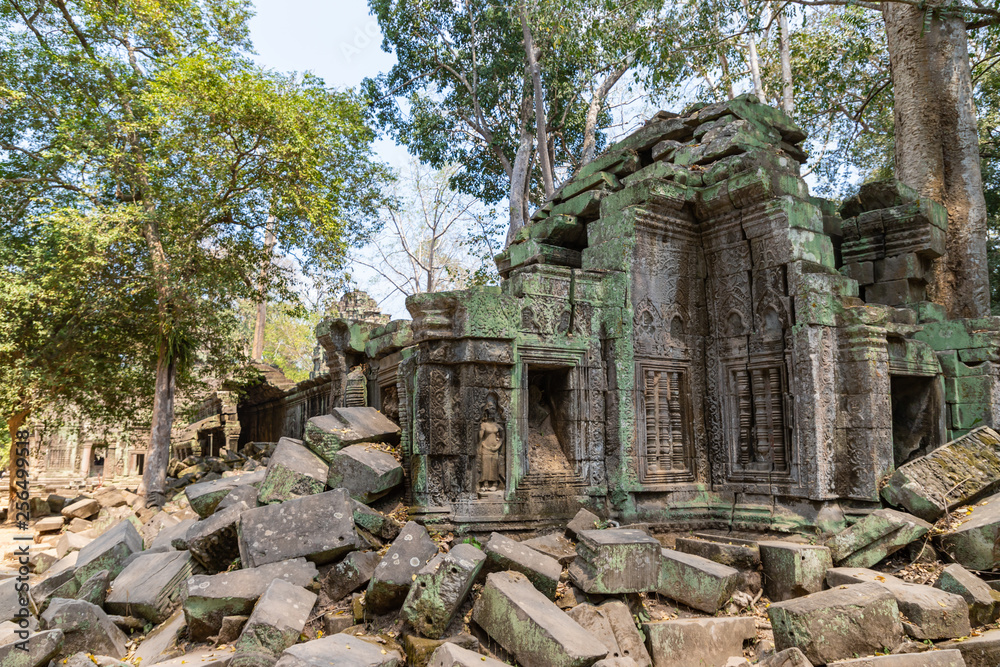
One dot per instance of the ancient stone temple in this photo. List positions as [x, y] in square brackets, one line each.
[683, 335]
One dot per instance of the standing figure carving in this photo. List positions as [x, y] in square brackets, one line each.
[491, 448]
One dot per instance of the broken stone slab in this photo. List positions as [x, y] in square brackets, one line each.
[975, 543]
[40, 561]
[164, 540]
[957, 473]
[418, 650]
[14, 595]
[351, 573]
[695, 581]
[244, 493]
[214, 541]
[210, 598]
[216, 657]
[151, 586]
[337, 621]
[506, 554]
[440, 589]
[79, 525]
[366, 472]
[555, 545]
[157, 644]
[82, 509]
[381, 526]
[878, 535]
[292, 472]
[792, 570]
[323, 526]
[838, 623]
[981, 651]
[108, 552]
[339, 650]
[931, 613]
[452, 655]
[695, 642]
[42, 647]
[85, 627]
[584, 520]
[529, 625]
[95, 589]
[948, 658]
[154, 525]
[741, 554]
[616, 560]
[49, 524]
[395, 573]
[275, 624]
[231, 628]
[981, 598]
[327, 434]
[630, 642]
[206, 496]
[57, 576]
[790, 657]
[71, 542]
[594, 621]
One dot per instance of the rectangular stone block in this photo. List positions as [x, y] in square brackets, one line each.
[695, 581]
[340, 650]
[151, 586]
[947, 658]
[440, 589]
[881, 533]
[506, 554]
[327, 434]
[975, 543]
[981, 651]
[206, 496]
[108, 552]
[210, 598]
[792, 570]
[838, 623]
[292, 472]
[395, 573]
[696, 642]
[614, 561]
[531, 627]
[213, 541]
[983, 601]
[323, 526]
[275, 624]
[366, 472]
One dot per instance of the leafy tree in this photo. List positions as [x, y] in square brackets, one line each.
[150, 117]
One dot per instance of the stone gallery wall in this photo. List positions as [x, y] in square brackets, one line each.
[683, 334]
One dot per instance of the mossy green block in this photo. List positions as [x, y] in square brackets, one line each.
[601, 180]
[643, 192]
[970, 389]
[584, 204]
[797, 213]
[970, 415]
[617, 162]
[811, 247]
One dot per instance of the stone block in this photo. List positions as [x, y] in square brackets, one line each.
[40, 561]
[948, 658]
[506, 554]
[584, 520]
[930, 613]
[630, 642]
[151, 586]
[351, 573]
[161, 641]
[452, 655]
[792, 570]
[440, 589]
[339, 651]
[165, 538]
[366, 472]
[790, 657]
[323, 526]
[49, 524]
[154, 525]
[964, 469]
[555, 545]
[418, 650]
[395, 573]
[976, 542]
[217, 657]
[530, 627]
[57, 576]
[206, 496]
[213, 541]
[275, 624]
[981, 598]
[380, 525]
[696, 642]
[292, 472]
[245, 493]
[210, 598]
[596, 623]
[981, 651]
[330, 433]
[42, 647]
[85, 628]
[108, 552]
[741, 554]
[614, 561]
[79, 525]
[232, 628]
[838, 623]
[695, 581]
[82, 509]
[95, 589]
[878, 535]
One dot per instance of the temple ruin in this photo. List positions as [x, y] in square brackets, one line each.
[683, 335]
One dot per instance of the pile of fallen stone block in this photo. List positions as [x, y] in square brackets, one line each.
[275, 567]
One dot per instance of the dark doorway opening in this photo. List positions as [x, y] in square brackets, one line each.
[917, 418]
[551, 421]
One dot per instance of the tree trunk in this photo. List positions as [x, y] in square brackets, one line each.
[787, 90]
[257, 353]
[758, 87]
[594, 110]
[541, 123]
[518, 180]
[154, 477]
[14, 424]
[937, 145]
